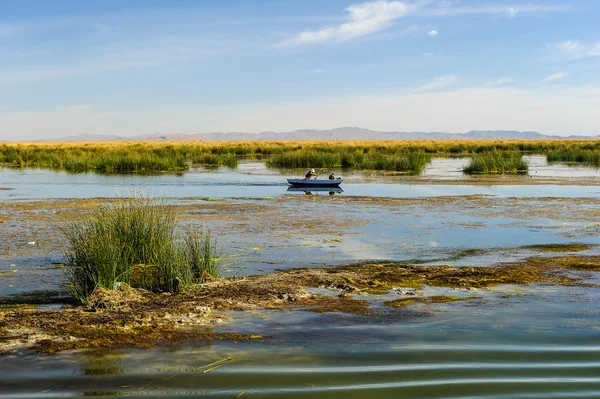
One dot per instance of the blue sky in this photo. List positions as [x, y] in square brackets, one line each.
[140, 67]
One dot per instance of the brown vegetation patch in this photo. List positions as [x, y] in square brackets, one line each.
[585, 263]
[399, 303]
[570, 247]
[325, 304]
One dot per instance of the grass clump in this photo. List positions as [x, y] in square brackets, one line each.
[589, 156]
[362, 159]
[497, 163]
[136, 242]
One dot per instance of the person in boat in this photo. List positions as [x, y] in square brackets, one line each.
[311, 173]
[332, 176]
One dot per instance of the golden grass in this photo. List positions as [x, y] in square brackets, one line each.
[153, 156]
[273, 147]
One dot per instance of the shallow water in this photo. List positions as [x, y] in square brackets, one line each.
[254, 180]
[538, 341]
[536, 346]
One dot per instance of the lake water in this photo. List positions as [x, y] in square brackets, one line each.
[254, 180]
[538, 341]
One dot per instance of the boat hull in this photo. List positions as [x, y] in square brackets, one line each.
[314, 183]
[314, 189]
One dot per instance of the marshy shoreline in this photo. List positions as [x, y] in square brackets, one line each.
[137, 318]
[307, 264]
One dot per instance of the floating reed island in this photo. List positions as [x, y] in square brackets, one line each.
[397, 156]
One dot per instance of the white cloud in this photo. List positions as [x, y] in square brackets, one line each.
[433, 33]
[555, 76]
[437, 83]
[498, 82]
[373, 16]
[445, 8]
[571, 49]
[363, 19]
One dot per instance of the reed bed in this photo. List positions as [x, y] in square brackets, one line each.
[410, 162]
[135, 241]
[497, 163]
[591, 157]
[118, 157]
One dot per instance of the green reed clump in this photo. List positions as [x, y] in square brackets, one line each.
[496, 163]
[357, 158]
[134, 241]
[303, 159]
[201, 250]
[229, 160]
[588, 156]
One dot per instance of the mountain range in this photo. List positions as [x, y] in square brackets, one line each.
[341, 133]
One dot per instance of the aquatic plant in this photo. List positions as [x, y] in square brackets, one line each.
[496, 163]
[229, 160]
[371, 159]
[588, 156]
[134, 241]
[394, 155]
[201, 253]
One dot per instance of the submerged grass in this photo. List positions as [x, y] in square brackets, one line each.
[569, 247]
[400, 303]
[497, 163]
[136, 242]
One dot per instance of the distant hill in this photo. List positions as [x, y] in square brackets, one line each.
[341, 133]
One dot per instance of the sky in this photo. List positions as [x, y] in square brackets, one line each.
[135, 67]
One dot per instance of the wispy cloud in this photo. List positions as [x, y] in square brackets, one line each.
[437, 83]
[555, 76]
[498, 82]
[373, 16]
[113, 57]
[446, 8]
[363, 19]
[572, 49]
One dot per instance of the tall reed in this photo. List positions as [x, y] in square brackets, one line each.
[411, 162]
[591, 157]
[135, 241]
[118, 157]
[496, 163]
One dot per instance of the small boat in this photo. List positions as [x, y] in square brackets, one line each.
[314, 182]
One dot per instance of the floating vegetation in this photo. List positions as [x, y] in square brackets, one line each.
[135, 242]
[570, 247]
[497, 163]
[400, 303]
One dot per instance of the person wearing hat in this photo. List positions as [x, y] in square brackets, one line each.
[331, 176]
[310, 174]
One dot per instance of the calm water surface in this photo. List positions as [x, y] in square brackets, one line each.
[536, 341]
[254, 180]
